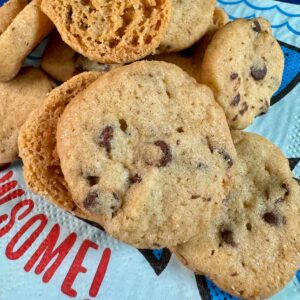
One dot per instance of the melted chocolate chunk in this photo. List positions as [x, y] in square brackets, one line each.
[167, 154]
[256, 26]
[236, 100]
[90, 200]
[92, 180]
[271, 218]
[244, 108]
[226, 157]
[105, 138]
[135, 179]
[259, 73]
[234, 76]
[227, 237]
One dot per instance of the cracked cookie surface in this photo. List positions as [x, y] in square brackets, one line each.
[149, 148]
[110, 31]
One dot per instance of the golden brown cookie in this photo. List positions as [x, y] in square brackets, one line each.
[190, 20]
[9, 11]
[243, 65]
[18, 98]
[251, 250]
[24, 33]
[37, 145]
[110, 31]
[149, 148]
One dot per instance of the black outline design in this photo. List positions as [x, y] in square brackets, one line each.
[4, 167]
[203, 287]
[293, 161]
[94, 224]
[157, 265]
[293, 83]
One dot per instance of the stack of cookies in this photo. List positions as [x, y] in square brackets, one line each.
[143, 135]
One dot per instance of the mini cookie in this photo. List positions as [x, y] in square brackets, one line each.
[253, 248]
[110, 31]
[153, 153]
[61, 62]
[18, 98]
[9, 11]
[37, 145]
[243, 65]
[189, 22]
[23, 34]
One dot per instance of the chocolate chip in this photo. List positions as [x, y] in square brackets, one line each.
[234, 274]
[234, 76]
[226, 157]
[259, 73]
[105, 138]
[244, 108]
[271, 218]
[195, 196]
[234, 118]
[227, 237]
[92, 180]
[115, 196]
[135, 179]
[167, 157]
[256, 26]
[249, 226]
[123, 125]
[90, 199]
[236, 100]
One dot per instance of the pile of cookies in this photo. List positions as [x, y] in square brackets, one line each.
[143, 135]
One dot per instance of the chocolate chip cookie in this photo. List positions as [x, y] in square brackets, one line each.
[149, 148]
[252, 249]
[62, 62]
[243, 64]
[18, 98]
[37, 145]
[110, 31]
